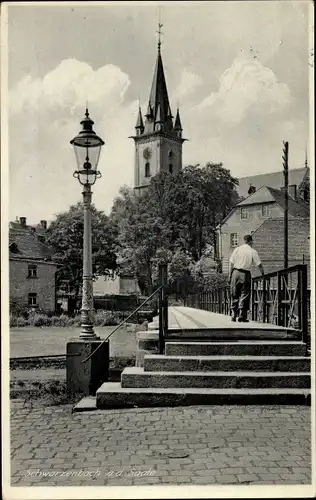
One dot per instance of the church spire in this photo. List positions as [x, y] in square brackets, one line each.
[159, 94]
[158, 138]
[139, 124]
[177, 123]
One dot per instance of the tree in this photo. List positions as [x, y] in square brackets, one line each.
[204, 279]
[65, 235]
[178, 214]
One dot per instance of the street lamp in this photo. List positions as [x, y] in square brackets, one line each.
[87, 145]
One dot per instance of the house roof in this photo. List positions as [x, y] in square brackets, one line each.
[24, 243]
[297, 208]
[274, 180]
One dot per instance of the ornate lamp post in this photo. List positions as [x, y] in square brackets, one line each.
[87, 145]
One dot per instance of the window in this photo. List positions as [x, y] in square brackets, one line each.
[170, 168]
[233, 239]
[244, 213]
[32, 271]
[32, 299]
[266, 210]
[147, 170]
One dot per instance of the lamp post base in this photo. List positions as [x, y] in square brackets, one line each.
[85, 377]
[88, 333]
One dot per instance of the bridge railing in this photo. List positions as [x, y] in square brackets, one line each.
[282, 298]
[216, 300]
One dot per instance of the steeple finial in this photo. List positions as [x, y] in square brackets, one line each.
[160, 25]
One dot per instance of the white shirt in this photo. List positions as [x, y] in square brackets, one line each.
[244, 257]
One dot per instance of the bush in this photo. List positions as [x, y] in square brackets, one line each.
[102, 318]
[18, 307]
[13, 320]
[18, 321]
[62, 320]
[107, 318]
[39, 320]
[76, 320]
[55, 321]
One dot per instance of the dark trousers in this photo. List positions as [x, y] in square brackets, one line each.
[240, 289]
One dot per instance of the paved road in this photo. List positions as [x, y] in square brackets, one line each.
[197, 445]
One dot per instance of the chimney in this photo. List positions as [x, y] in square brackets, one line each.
[44, 224]
[293, 191]
[23, 221]
[252, 189]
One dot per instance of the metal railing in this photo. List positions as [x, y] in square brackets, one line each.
[281, 298]
[155, 293]
[217, 300]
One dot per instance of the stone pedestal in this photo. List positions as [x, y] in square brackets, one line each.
[83, 379]
[147, 343]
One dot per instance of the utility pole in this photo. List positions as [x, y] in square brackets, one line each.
[163, 306]
[286, 199]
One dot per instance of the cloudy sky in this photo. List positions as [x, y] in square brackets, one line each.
[238, 69]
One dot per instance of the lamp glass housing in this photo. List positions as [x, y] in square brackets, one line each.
[87, 146]
[87, 153]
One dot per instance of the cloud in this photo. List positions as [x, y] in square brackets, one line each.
[242, 124]
[45, 115]
[188, 85]
[67, 88]
[246, 84]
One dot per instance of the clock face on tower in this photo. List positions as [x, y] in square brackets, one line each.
[147, 153]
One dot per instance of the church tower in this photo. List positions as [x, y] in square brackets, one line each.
[158, 138]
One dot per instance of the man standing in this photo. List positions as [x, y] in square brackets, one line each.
[240, 263]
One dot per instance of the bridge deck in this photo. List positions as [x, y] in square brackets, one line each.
[188, 318]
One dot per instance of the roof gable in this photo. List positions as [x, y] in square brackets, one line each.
[273, 179]
[262, 195]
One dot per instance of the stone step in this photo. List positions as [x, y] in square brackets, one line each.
[112, 395]
[237, 348]
[87, 403]
[242, 332]
[134, 376]
[158, 363]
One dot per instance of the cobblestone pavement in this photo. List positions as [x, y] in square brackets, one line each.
[197, 445]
